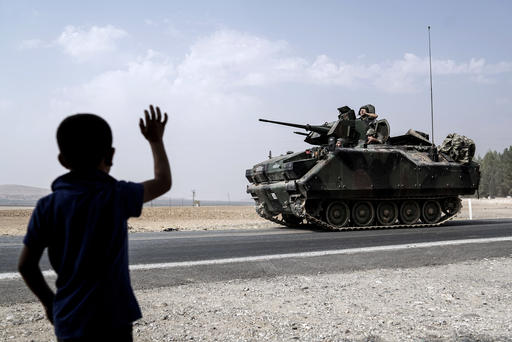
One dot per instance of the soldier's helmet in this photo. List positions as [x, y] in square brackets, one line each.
[369, 108]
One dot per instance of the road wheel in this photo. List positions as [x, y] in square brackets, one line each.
[409, 212]
[451, 206]
[337, 213]
[387, 213]
[363, 213]
[430, 212]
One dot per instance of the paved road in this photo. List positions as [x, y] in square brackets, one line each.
[195, 255]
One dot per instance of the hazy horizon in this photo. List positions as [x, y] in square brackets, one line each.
[216, 67]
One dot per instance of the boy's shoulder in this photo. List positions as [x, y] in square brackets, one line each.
[74, 184]
[82, 180]
[96, 186]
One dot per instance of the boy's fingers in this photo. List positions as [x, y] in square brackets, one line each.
[141, 125]
[165, 119]
[158, 114]
[146, 115]
[152, 109]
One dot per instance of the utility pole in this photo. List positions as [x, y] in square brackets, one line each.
[431, 93]
[193, 198]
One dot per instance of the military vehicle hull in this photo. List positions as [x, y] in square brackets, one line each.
[352, 187]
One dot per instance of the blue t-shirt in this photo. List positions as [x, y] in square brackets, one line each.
[83, 224]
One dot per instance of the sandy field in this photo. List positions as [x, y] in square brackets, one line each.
[13, 220]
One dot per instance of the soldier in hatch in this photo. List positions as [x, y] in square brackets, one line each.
[367, 113]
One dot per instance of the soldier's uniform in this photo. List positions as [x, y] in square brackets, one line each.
[371, 121]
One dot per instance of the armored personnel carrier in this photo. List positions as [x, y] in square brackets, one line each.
[342, 182]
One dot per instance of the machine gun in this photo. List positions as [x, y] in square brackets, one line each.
[320, 129]
[317, 134]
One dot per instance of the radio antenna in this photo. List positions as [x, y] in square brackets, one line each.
[431, 95]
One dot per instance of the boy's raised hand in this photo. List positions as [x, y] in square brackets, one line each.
[153, 131]
[153, 128]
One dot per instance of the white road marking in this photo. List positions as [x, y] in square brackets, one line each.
[15, 275]
[50, 273]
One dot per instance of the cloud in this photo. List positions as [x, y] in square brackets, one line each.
[403, 75]
[148, 77]
[229, 60]
[233, 59]
[83, 44]
[220, 70]
[220, 73]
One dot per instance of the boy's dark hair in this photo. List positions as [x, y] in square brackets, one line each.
[84, 140]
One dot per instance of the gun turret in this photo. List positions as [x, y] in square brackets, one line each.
[323, 130]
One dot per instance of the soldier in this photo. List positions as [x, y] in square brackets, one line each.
[373, 137]
[367, 113]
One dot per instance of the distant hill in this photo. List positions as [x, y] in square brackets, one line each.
[12, 194]
[22, 190]
[21, 195]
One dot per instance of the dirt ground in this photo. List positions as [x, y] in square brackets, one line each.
[464, 302]
[468, 301]
[13, 220]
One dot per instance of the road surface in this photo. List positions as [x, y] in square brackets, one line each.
[174, 258]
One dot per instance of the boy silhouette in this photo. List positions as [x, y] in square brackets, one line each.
[83, 225]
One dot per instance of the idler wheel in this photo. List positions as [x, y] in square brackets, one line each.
[363, 213]
[387, 213]
[337, 213]
[409, 212]
[451, 206]
[431, 212]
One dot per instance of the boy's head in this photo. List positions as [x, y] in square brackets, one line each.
[85, 142]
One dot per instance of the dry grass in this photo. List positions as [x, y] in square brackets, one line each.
[197, 218]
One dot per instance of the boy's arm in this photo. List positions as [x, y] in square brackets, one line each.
[153, 131]
[28, 266]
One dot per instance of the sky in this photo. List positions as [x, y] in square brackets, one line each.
[217, 66]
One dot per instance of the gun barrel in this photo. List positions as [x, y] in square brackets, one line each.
[317, 129]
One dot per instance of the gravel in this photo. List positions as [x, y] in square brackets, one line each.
[469, 301]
